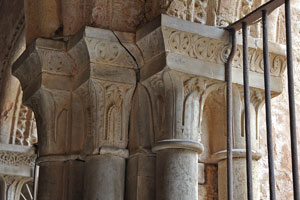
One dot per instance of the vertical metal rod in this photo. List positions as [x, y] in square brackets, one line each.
[268, 105]
[247, 111]
[290, 74]
[228, 78]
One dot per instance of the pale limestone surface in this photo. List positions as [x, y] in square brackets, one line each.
[101, 74]
[177, 176]
[81, 90]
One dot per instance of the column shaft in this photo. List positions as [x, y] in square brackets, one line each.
[177, 174]
[104, 177]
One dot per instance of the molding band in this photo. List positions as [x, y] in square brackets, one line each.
[178, 144]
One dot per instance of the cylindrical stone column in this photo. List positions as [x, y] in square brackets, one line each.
[51, 177]
[239, 175]
[62, 175]
[105, 176]
[140, 176]
[177, 170]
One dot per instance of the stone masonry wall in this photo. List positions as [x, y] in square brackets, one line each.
[280, 117]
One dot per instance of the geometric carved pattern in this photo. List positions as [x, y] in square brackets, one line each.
[17, 159]
[26, 133]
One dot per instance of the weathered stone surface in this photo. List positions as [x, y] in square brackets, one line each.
[140, 177]
[179, 102]
[104, 178]
[177, 176]
[65, 178]
[209, 190]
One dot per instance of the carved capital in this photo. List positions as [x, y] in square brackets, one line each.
[80, 91]
[177, 102]
[104, 85]
[44, 64]
[201, 50]
[106, 106]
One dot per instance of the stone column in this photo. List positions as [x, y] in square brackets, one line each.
[177, 99]
[239, 148]
[177, 78]
[80, 92]
[103, 88]
[177, 173]
[140, 172]
[183, 68]
[44, 71]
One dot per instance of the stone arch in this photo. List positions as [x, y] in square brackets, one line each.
[213, 123]
[23, 129]
[24, 189]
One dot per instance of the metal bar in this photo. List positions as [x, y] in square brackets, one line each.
[290, 74]
[256, 14]
[228, 78]
[268, 105]
[247, 111]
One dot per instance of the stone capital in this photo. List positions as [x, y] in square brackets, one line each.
[200, 50]
[177, 101]
[80, 90]
[104, 84]
[44, 65]
[184, 72]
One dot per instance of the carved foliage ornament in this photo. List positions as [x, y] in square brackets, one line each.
[191, 10]
[17, 159]
[106, 110]
[277, 62]
[217, 51]
[177, 102]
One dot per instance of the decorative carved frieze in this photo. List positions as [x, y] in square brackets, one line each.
[109, 52]
[203, 51]
[215, 50]
[17, 158]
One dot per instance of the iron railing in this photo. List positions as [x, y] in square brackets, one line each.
[261, 13]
